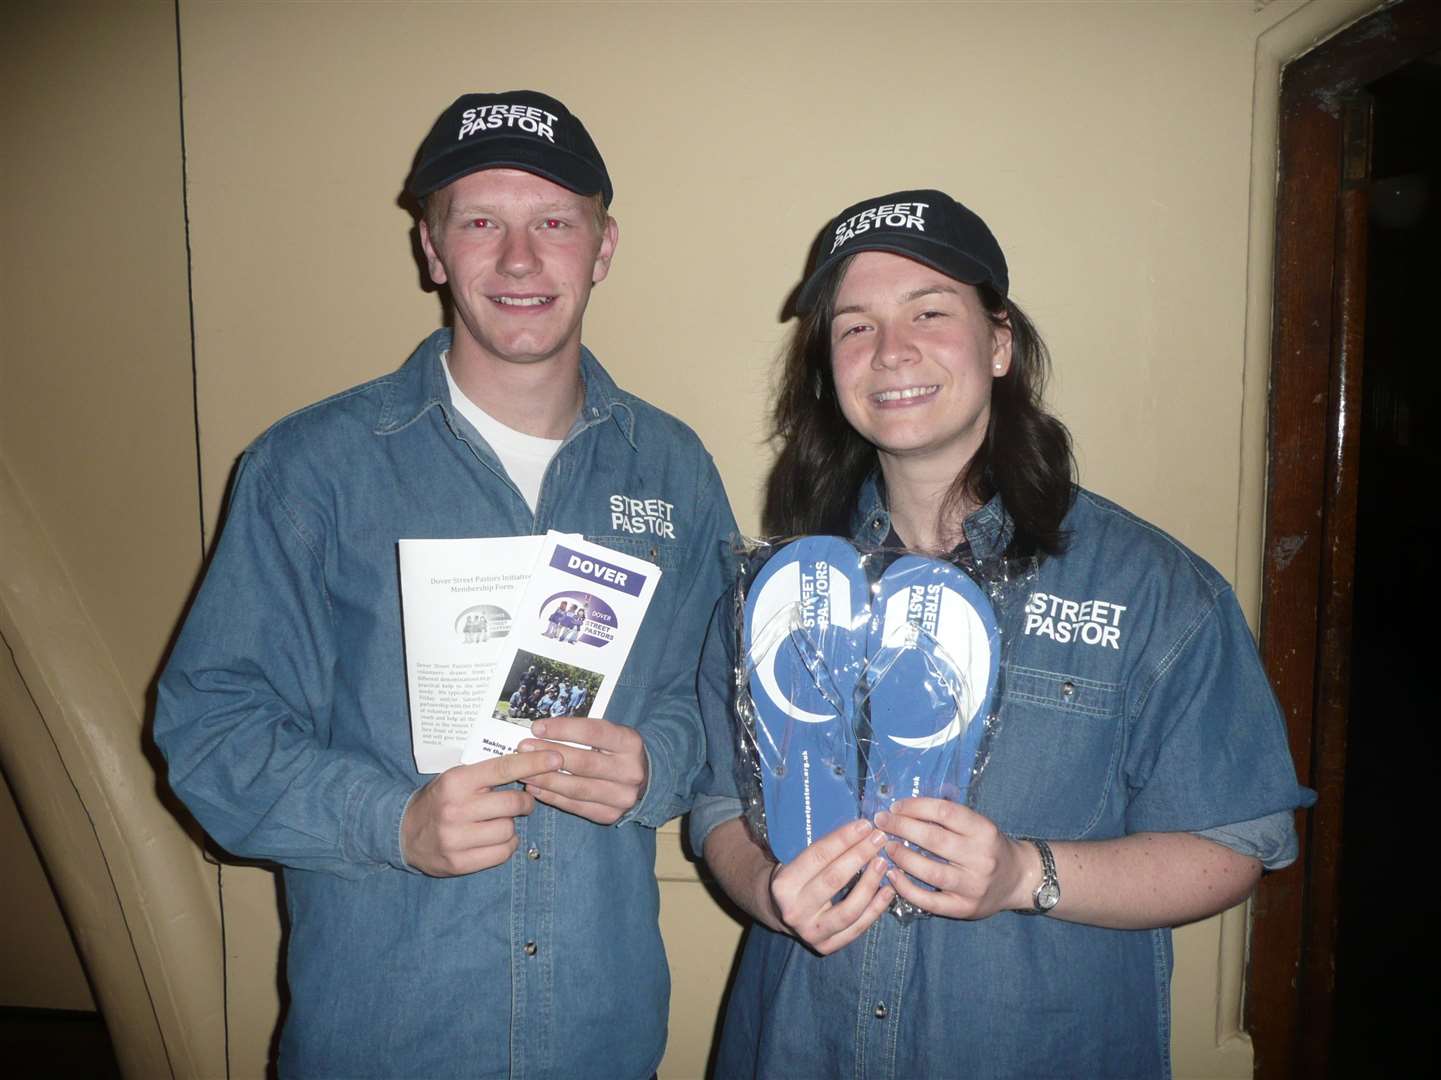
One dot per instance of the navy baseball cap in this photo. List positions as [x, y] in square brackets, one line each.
[925, 225]
[517, 129]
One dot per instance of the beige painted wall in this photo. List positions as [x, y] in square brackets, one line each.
[96, 416]
[1109, 145]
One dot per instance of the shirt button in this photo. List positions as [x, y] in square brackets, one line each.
[530, 948]
[1067, 688]
[880, 1010]
[532, 853]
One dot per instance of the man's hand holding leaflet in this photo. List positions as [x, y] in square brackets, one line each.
[601, 779]
[464, 820]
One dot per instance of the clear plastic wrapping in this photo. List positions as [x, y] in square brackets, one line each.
[863, 676]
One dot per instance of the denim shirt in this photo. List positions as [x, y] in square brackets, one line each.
[1146, 709]
[284, 718]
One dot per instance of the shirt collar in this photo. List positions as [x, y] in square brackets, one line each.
[871, 521]
[988, 528]
[420, 384]
[603, 399]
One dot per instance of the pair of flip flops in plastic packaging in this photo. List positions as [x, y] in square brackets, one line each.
[864, 678]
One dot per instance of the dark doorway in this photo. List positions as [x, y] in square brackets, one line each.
[1383, 1016]
[1340, 960]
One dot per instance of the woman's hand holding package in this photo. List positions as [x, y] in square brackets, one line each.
[985, 871]
[804, 891]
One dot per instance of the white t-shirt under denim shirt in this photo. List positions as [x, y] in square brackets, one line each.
[525, 457]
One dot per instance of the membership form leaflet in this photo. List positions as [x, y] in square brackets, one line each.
[502, 631]
[460, 599]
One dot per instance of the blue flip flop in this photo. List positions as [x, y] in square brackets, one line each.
[934, 657]
[804, 632]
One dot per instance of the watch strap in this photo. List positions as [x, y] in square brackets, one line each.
[1048, 893]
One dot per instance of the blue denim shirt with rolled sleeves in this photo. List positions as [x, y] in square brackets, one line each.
[1132, 701]
[283, 715]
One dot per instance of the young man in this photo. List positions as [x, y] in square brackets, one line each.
[461, 924]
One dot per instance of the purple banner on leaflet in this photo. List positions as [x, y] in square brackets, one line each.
[597, 571]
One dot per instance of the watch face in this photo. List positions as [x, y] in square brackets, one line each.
[1048, 895]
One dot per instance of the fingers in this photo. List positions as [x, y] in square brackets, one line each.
[834, 845]
[474, 860]
[500, 805]
[600, 780]
[481, 833]
[935, 838]
[589, 731]
[867, 901]
[975, 869]
[956, 892]
[804, 891]
[948, 815]
[450, 828]
[606, 808]
[621, 768]
[938, 902]
[808, 881]
[498, 771]
[464, 819]
[948, 829]
[576, 787]
[475, 847]
[954, 883]
[596, 786]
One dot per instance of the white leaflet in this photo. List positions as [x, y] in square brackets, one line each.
[460, 600]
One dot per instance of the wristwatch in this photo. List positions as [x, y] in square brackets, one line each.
[1048, 892]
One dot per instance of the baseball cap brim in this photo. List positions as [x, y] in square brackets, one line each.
[558, 166]
[942, 258]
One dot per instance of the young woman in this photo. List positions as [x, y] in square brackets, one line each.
[1138, 777]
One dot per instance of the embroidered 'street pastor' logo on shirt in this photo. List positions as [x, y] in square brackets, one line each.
[906, 215]
[529, 118]
[1089, 622]
[650, 517]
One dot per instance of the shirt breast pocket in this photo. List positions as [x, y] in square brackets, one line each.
[1052, 769]
[645, 653]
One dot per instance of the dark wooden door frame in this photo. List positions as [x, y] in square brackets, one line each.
[1310, 505]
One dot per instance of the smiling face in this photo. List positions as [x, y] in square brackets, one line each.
[520, 255]
[913, 353]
